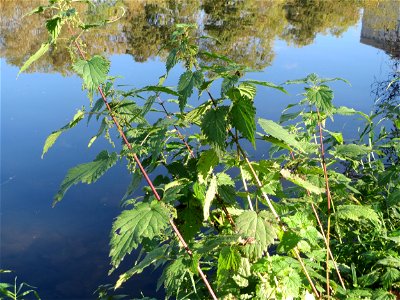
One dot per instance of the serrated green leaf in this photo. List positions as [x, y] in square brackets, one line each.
[278, 132]
[159, 89]
[38, 54]
[296, 179]
[267, 84]
[195, 115]
[207, 161]
[243, 115]
[214, 126]
[151, 257]
[54, 27]
[210, 195]
[145, 220]
[288, 241]
[356, 213]
[228, 261]
[227, 83]
[321, 96]
[93, 71]
[174, 275]
[148, 104]
[260, 229]
[171, 59]
[86, 173]
[187, 82]
[51, 139]
[190, 221]
[350, 151]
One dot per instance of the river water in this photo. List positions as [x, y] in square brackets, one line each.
[64, 250]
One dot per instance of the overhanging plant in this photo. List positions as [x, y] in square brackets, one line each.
[209, 221]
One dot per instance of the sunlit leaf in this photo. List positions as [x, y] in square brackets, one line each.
[151, 257]
[145, 220]
[278, 132]
[86, 173]
[93, 71]
[259, 229]
[42, 50]
[51, 139]
[210, 195]
[207, 161]
[296, 179]
[356, 213]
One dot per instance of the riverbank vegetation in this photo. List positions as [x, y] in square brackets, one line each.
[236, 206]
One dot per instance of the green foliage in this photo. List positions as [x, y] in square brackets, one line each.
[93, 72]
[145, 220]
[17, 291]
[51, 139]
[86, 173]
[260, 229]
[217, 196]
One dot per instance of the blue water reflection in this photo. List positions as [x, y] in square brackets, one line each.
[64, 251]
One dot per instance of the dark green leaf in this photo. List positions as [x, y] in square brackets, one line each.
[214, 127]
[243, 115]
[187, 82]
[321, 96]
[54, 27]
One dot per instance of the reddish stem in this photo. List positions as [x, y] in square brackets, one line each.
[150, 183]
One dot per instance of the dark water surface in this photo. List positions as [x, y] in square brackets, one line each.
[64, 251]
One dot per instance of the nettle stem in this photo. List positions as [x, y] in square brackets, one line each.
[329, 201]
[321, 228]
[148, 180]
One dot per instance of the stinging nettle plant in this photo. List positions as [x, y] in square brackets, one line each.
[209, 221]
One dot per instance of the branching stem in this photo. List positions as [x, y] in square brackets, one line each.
[147, 178]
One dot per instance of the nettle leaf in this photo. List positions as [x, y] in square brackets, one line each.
[296, 179]
[267, 84]
[321, 96]
[357, 213]
[187, 82]
[158, 89]
[276, 131]
[145, 220]
[228, 261]
[38, 54]
[207, 161]
[86, 173]
[351, 151]
[93, 71]
[51, 139]
[54, 27]
[228, 83]
[195, 115]
[171, 59]
[214, 126]
[210, 195]
[151, 257]
[174, 276]
[259, 229]
[243, 115]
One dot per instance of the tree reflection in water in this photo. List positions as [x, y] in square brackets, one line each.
[246, 29]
